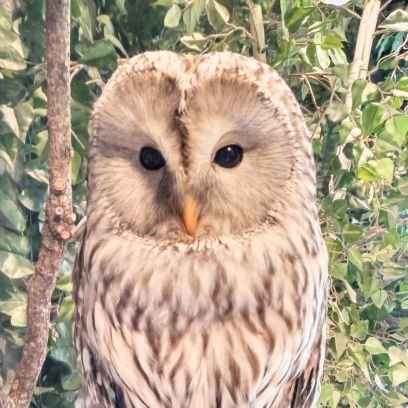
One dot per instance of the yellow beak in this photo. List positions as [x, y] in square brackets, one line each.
[190, 215]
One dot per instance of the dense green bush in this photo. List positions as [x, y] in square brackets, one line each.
[358, 124]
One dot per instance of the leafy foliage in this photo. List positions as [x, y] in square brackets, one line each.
[359, 130]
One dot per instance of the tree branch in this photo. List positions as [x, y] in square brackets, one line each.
[59, 223]
[364, 44]
[359, 69]
[257, 30]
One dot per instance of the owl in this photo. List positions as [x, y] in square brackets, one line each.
[201, 277]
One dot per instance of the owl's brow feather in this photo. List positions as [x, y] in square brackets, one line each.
[184, 145]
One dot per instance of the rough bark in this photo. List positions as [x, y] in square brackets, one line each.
[59, 223]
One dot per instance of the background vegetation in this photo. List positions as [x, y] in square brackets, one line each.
[358, 123]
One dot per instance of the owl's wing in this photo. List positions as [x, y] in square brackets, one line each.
[306, 388]
[92, 387]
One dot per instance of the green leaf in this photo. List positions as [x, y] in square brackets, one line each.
[38, 173]
[8, 122]
[372, 117]
[341, 340]
[389, 63]
[396, 399]
[12, 49]
[11, 215]
[34, 197]
[196, 41]
[63, 350]
[379, 298]
[401, 124]
[357, 355]
[322, 57]
[331, 40]
[15, 266]
[375, 170]
[121, 4]
[374, 346]
[392, 239]
[389, 139]
[64, 283]
[361, 154]
[173, 16]
[352, 233]
[396, 21]
[385, 168]
[339, 270]
[399, 374]
[356, 259]
[359, 330]
[218, 15]
[295, 17]
[16, 308]
[329, 395]
[337, 111]
[402, 84]
[397, 356]
[190, 19]
[66, 311]
[14, 242]
[98, 50]
[357, 92]
[24, 114]
[82, 14]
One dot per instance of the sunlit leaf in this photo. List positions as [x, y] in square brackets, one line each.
[218, 15]
[17, 310]
[374, 346]
[374, 170]
[396, 21]
[173, 16]
[399, 374]
[15, 266]
[196, 41]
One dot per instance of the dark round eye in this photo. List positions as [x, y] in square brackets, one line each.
[229, 156]
[151, 159]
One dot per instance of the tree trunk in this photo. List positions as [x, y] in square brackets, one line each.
[59, 223]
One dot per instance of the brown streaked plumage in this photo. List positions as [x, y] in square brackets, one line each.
[199, 284]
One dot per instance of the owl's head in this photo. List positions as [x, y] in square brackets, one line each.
[197, 146]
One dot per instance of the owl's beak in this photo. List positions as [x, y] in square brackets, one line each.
[190, 215]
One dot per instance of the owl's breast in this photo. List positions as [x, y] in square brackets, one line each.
[230, 320]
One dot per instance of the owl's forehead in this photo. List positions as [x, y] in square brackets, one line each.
[184, 74]
[184, 102]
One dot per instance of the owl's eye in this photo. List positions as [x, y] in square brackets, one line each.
[229, 156]
[151, 159]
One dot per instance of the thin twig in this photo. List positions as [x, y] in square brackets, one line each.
[352, 12]
[311, 92]
[384, 6]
